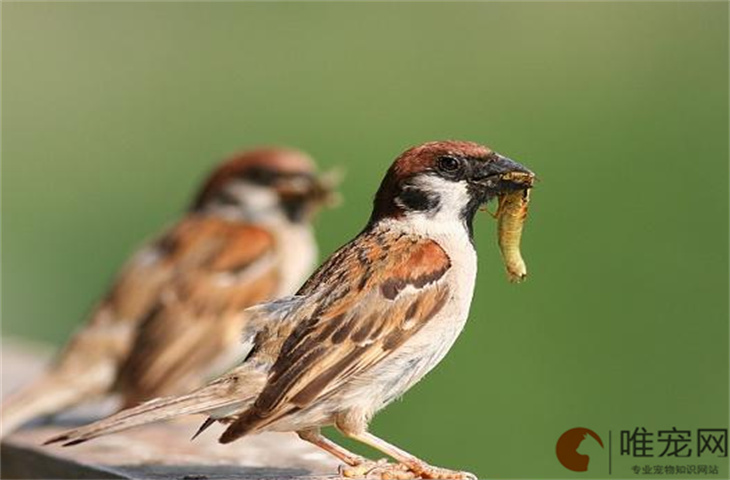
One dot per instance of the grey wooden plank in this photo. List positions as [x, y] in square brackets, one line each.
[160, 452]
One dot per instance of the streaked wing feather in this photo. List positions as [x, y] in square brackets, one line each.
[220, 269]
[371, 297]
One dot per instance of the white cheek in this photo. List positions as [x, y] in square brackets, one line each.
[446, 226]
[255, 197]
[253, 203]
[453, 198]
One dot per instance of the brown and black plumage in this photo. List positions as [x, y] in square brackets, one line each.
[174, 315]
[375, 318]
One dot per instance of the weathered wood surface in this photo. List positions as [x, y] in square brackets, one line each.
[160, 452]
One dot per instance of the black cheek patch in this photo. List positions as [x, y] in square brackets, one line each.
[295, 210]
[418, 200]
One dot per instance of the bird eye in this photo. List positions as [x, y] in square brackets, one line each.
[448, 164]
[262, 176]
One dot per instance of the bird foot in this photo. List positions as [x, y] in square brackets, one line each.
[382, 470]
[378, 470]
[438, 473]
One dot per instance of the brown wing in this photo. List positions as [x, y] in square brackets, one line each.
[369, 298]
[105, 340]
[88, 364]
[219, 269]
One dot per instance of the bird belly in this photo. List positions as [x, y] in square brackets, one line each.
[396, 374]
[376, 387]
[392, 377]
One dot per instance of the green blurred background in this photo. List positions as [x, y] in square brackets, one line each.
[114, 112]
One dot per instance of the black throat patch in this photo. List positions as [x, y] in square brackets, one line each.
[477, 198]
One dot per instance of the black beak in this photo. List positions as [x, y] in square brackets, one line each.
[319, 189]
[504, 165]
[302, 197]
[501, 175]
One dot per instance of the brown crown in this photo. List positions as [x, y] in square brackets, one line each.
[415, 160]
[278, 159]
[424, 157]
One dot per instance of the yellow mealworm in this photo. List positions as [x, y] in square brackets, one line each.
[511, 215]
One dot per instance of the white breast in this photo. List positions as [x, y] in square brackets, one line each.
[428, 347]
[374, 388]
[297, 253]
[421, 353]
[447, 228]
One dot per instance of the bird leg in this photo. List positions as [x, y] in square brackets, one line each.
[417, 466]
[315, 437]
[357, 466]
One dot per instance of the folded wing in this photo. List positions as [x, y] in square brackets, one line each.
[365, 302]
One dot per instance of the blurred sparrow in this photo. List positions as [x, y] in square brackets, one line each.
[371, 321]
[174, 315]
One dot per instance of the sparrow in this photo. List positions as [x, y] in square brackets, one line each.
[172, 318]
[378, 315]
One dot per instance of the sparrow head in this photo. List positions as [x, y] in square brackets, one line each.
[446, 181]
[265, 182]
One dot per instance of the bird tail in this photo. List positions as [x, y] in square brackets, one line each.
[50, 394]
[224, 394]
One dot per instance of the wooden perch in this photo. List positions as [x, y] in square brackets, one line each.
[161, 452]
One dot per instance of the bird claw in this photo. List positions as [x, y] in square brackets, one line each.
[393, 471]
[382, 470]
[378, 470]
[362, 469]
[438, 473]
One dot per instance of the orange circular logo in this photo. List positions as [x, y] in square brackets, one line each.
[568, 445]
